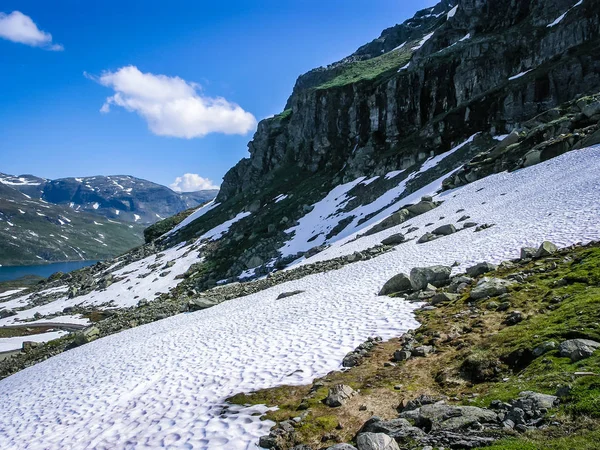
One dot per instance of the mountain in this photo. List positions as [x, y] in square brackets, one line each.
[121, 197]
[423, 213]
[81, 218]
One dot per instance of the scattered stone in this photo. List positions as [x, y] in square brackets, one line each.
[402, 355]
[480, 269]
[398, 283]
[514, 318]
[394, 239]
[422, 351]
[443, 297]
[490, 287]
[342, 447]
[463, 218]
[338, 395]
[398, 429]
[427, 237]
[411, 229]
[376, 441]
[546, 249]
[528, 252]
[27, 346]
[578, 349]
[288, 294]
[485, 226]
[444, 230]
[469, 224]
[544, 348]
[438, 276]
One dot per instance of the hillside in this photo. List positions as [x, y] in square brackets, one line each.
[385, 270]
[92, 218]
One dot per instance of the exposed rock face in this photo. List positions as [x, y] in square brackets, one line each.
[445, 95]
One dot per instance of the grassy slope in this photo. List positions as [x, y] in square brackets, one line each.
[480, 337]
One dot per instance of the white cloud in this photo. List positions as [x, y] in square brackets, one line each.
[172, 106]
[192, 182]
[17, 27]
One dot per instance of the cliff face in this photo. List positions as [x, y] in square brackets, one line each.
[480, 66]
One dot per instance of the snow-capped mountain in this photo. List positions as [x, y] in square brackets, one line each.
[464, 135]
[118, 197]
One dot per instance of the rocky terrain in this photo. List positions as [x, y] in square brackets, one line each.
[407, 259]
[81, 218]
[505, 358]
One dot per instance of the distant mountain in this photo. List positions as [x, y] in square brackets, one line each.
[119, 197]
[81, 218]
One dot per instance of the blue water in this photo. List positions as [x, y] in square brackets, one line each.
[43, 270]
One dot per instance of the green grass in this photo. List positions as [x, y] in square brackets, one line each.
[369, 69]
[585, 441]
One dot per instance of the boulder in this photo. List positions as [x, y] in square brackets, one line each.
[514, 318]
[338, 395]
[480, 269]
[544, 348]
[394, 239]
[398, 429]
[578, 349]
[376, 441]
[534, 401]
[440, 416]
[342, 447]
[438, 276]
[288, 294]
[546, 249]
[402, 355]
[427, 237]
[422, 350]
[528, 252]
[444, 230]
[443, 297]
[490, 287]
[398, 283]
[421, 208]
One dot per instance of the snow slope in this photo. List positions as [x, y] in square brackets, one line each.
[163, 384]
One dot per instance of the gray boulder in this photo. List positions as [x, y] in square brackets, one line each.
[546, 249]
[427, 237]
[288, 294]
[544, 348]
[438, 276]
[528, 252]
[444, 230]
[421, 208]
[490, 287]
[534, 401]
[443, 297]
[578, 349]
[376, 441]
[338, 395]
[440, 416]
[396, 428]
[480, 269]
[342, 447]
[398, 283]
[394, 239]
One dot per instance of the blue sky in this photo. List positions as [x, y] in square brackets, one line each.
[246, 52]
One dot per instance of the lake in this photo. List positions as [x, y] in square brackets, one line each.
[8, 273]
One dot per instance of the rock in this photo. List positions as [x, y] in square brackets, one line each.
[546, 249]
[490, 287]
[338, 395]
[427, 237]
[438, 276]
[342, 447]
[27, 346]
[422, 350]
[444, 230]
[544, 348]
[197, 304]
[463, 218]
[411, 229]
[376, 441]
[470, 224]
[443, 297]
[394, 239]
[578, 349]
[534, 401]
[480, 269]
[440, 416]
[398, 283]
[288, 294]
[427, 198]
[421, 208]
[509, 140]
[514, 318]
[528, 252]
[402, 355]
[398, 429]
